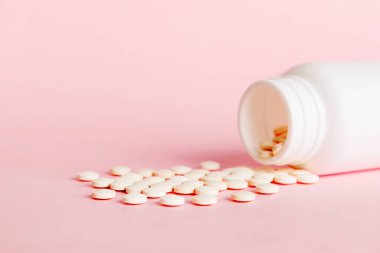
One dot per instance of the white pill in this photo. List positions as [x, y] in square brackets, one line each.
[299, 172]
[308, 178]
[212, 177]
[219, 173]
[134, 188]
[285, 179]
[120, 184]
[244, 174]
[145, 172]
[242, 168]
[120, 170]
[243, 196]
[134, 198]
[154, 192]
[221, 186]
[142, 184]
[226, 171]
[287, 170]
[267, 188]
[133, 176]
[258, 180]
[165, 173]
[181, 169]
[184, 189]
[267, 175]
[163, 186]
[102, 182]
[237, 184]
[172, 200]
[103, 194]
[194, 183]
[153, 180]
[87, 176]
[232, 178]
[204, 199]
[210, 165]
[179, 179]
[210, 190]
[194, 175]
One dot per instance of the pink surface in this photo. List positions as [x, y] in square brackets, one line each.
[90, 84]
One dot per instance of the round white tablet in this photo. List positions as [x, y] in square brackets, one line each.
[221, 186]
[243, 196]
[285, 179]
[102, 182]
[210, 165]
[308, 178]
[194, 183]
[258, 180]
[265, 175]
[179, 179]
[237, 184]
[288, 170]
[154, 192]
[87, 176]
[184, 189]
[172, 200]
[134, 188]
[120, 170]
[103, 194]
[165, 173]
[204, 199]
[134, 198]
[153, 180]
[119, 184]
[194, 175]
[133, 176]
[232, 178]
[220, 173]
[210, 190]
[181, 169]
[243, 172]
[145, 172]
[267, 188]
[163, 186]
[212, 177]
[228, 171]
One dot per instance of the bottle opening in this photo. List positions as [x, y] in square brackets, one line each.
[262, 110]
[287, 101]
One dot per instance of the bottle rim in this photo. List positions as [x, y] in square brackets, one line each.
[305, 117]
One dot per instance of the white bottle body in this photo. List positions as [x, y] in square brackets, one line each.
[348, 108]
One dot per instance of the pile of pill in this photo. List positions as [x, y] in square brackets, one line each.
[272, 148]
[204, 183]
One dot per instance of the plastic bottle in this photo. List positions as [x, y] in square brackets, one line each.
[332, 111]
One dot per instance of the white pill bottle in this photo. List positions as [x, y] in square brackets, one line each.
[332, 111]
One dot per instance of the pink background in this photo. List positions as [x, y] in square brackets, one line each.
[85, 85]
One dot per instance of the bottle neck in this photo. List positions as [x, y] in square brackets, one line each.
[300, 108]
